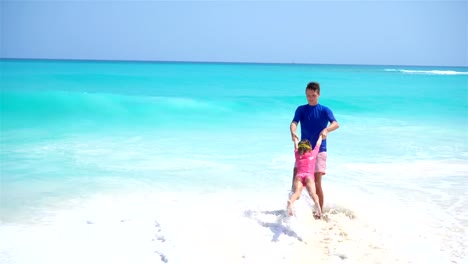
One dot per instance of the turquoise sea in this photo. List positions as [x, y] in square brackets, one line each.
[165, 162]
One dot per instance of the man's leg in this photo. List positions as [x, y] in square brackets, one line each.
[318, 187]
[320, 168]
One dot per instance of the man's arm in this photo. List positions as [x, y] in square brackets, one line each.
[332, 127]
[295, 139]
[296, 142]
[293, 128]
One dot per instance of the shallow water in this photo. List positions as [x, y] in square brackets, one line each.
[178, 162]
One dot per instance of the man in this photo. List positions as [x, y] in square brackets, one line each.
[314, 119]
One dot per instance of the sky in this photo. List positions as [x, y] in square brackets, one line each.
[419, 32]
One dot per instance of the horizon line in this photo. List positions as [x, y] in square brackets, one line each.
[218, 62]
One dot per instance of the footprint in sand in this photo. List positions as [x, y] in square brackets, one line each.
[159, 237]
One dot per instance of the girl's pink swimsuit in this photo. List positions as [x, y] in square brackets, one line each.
[305, 164]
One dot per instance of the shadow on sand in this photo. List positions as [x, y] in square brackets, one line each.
[278, 227]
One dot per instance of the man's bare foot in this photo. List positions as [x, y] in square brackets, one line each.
[290, 208]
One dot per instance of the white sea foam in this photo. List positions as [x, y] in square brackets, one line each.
[431, 72]
[417, 202]
[228, 227]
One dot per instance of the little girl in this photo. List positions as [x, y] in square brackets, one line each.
[305, 165]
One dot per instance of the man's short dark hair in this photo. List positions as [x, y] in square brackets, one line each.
[314, 86]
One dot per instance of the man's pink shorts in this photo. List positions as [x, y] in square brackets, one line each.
[321, 163]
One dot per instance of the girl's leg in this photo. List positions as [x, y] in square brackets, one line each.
[310, 185]
[293, 178]
[297, 186]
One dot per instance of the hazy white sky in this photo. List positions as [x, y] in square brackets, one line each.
[324, 32]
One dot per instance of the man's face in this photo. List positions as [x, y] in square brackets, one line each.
[312, 96]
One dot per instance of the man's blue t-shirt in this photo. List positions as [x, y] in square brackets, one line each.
[313, 120]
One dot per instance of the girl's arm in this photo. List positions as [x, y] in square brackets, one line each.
[319, 141]
[316, 150]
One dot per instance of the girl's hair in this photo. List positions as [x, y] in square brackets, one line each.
[304, 146]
